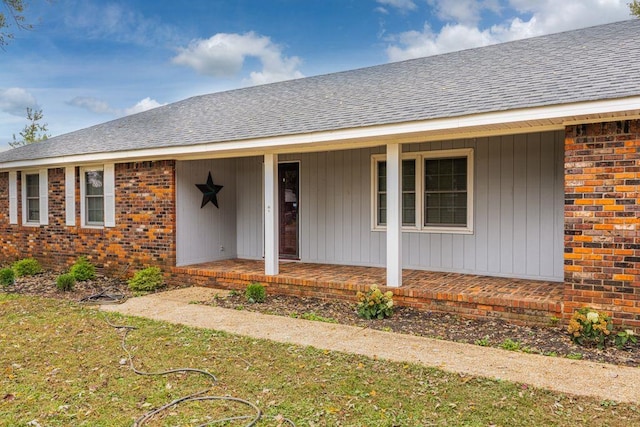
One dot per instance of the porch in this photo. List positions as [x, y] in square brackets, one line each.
[516, 300]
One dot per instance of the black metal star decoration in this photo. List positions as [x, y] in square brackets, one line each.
[209, 192]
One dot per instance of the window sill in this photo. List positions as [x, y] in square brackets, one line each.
[431, 230]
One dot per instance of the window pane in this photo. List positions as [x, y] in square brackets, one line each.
[95, 210]
[445, 195]
[382, 176]
[33, 185]
[33, 209]
[93, 183]
[409, 209]
[409, 175]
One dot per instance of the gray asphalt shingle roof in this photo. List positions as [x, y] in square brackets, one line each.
[589, 64]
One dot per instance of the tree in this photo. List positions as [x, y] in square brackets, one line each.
[32, 132]
[11, 15]
[635, 8]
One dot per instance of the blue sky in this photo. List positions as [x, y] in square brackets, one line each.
[89, 61]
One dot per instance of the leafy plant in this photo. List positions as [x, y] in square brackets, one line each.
[574, 356]
[374, 304]
[146, 280]
[483, 342]
[7, 277]
[26, 267]
[83, 270]
[66, 282]
[255, 293]
[624, 338]
[313, 316]
[511, 345]
[589, 327]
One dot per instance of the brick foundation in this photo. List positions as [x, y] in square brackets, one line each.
[602, 204]
[144, 234]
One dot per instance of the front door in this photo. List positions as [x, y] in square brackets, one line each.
[288, 208]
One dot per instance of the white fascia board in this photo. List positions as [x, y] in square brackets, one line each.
[502, 121]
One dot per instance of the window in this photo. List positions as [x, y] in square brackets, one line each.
[34, 197]
[94, 193]
[97, 196]
[436, 191]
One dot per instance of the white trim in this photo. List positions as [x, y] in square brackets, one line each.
[419, 157]
[70, 195]
[522, 120]
[271, 236]
[394, 215]
[44, 196]
[109, 178]
[13, 197]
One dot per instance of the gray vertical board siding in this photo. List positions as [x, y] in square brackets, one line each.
[518, 210]
[518, 217]
[249, 227]
[201, 232]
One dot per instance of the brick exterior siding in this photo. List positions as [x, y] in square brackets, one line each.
[144, 234]
[602, 205]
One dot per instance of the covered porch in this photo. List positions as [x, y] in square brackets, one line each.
[516, 300]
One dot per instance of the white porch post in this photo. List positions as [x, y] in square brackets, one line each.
[394, 217]
[271, 214]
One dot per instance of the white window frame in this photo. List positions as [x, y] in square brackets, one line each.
[43, 197]
[108, 179]
[419, 159]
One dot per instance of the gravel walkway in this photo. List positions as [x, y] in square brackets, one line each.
[598, 380]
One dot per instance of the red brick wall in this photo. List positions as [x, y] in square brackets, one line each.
[144, 234]
[602, 204]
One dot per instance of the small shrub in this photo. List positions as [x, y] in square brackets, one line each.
[146, 280]
[625, 338]
[509, 344]
[66, 282]
[374, 304]
[313, 316]
[483, 342]
[255, 293]
[26, 267]
[83, 270]
[7, 277]
[589, 327]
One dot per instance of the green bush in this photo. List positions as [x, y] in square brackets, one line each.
[66, 282]
[7, 277]
[83, 270]
[26, 267]
[146, 280]
[589, 327]
[374, 304]
[255, 293]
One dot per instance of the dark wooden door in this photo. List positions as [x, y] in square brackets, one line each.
[288, 208]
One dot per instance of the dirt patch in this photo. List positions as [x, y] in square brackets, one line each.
[546, 340]
[549, 340]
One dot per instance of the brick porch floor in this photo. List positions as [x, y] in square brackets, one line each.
[518, 300]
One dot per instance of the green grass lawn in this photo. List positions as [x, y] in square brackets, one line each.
[62, 365]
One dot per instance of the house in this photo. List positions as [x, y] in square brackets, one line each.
[518, 160]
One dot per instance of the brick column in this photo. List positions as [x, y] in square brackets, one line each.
[602, 205]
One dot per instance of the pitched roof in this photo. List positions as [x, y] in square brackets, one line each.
[597, 63]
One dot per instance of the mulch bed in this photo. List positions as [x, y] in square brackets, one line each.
[548, 340]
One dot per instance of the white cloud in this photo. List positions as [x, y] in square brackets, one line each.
[143, 105]
[16, 100]
[92, 104]
[117, 22]
[465, 29]
[402, 5]
[99, 106]
[223, 55]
